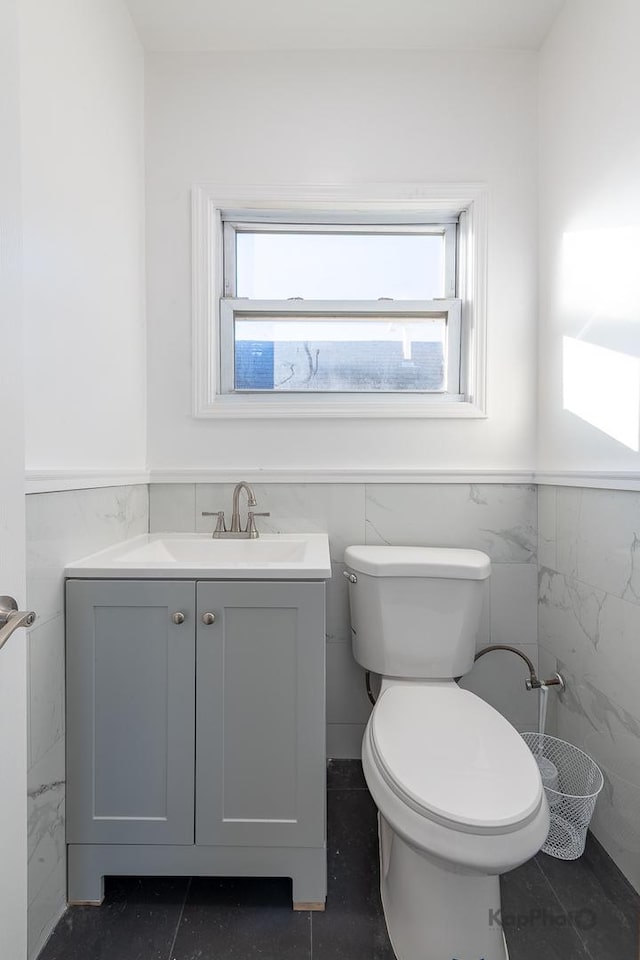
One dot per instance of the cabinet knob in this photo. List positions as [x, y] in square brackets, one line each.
[178, 617]
[208, 618]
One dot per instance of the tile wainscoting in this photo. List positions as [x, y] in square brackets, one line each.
[500, 519]
[61, 527]
[589, 629]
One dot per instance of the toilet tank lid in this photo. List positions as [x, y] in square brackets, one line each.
[437, 562]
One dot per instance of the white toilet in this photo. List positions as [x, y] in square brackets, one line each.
[459, 795]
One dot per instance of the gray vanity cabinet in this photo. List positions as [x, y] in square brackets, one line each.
[130, 706]
[196, 732]
[260, 779]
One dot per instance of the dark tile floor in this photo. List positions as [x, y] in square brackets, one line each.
[551, 910]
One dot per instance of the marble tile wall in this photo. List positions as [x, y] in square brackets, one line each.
[60, 527]
[589, 629]
[498, 518]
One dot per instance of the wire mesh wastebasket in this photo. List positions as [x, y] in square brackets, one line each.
[572, 782]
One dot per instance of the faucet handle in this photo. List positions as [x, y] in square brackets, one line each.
[252, 530]
[220, 524]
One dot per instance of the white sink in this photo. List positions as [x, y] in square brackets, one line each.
[164, 555]
[190, 550]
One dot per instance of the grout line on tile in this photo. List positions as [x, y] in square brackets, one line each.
[566, 912]
[310, 934]
[184, 903]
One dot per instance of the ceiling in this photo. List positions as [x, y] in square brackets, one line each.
[201, 25]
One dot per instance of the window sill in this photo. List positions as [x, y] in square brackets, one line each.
[269, 407]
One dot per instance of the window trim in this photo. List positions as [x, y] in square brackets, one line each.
[376, 202]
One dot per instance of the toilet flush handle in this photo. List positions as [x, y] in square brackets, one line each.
[351, 577]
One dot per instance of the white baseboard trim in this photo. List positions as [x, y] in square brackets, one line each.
[355, 475]
[52, 481]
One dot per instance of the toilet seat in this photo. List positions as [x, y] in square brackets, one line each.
[454, 759]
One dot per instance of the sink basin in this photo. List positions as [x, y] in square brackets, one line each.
[166, 555]
[190, 550]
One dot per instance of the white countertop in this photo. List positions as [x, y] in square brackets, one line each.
[164, 556]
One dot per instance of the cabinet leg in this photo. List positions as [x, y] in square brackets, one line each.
[85, 884]
[309, 881]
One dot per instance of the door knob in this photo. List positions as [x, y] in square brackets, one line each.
[208, 618]
[178, 617]
[11, 618]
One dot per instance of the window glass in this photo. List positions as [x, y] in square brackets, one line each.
[334, 354]
[339, 266]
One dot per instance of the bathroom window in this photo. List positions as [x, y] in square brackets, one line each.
[333, 312]
[342, 308]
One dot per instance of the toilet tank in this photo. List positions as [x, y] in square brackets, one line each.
[415, 611]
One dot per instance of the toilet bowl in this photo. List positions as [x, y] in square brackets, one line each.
[459, 803]
[459, 795]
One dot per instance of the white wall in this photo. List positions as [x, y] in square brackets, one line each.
[589, 612]
[590, 237]
[343, 118]
[13, 661]
[83, 192]
[82, 139]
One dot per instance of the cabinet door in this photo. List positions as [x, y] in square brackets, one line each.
[260, 763]
[130, 711]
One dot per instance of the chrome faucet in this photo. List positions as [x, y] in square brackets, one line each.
[235, 513]
[250, 531]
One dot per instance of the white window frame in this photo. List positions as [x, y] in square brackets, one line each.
[214, 309]
[282, 222]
